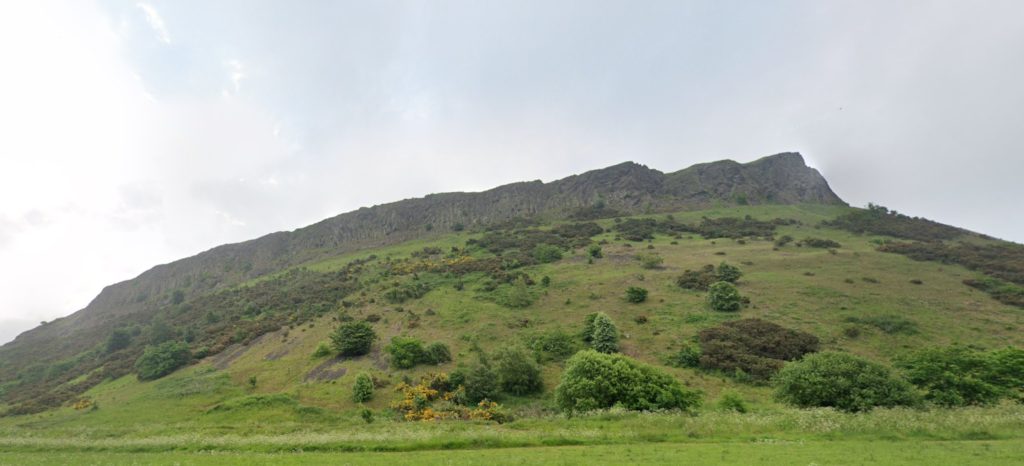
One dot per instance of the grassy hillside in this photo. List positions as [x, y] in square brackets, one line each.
[269, 392]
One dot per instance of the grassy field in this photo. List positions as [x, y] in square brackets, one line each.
[209, 413]
[727, 453]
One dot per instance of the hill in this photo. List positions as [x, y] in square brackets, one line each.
[522, 266]
[623, 189]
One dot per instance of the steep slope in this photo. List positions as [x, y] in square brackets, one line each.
[627, 188]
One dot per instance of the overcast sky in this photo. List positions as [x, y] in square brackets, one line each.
[137, 133]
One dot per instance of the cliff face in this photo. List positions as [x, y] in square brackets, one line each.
[629, 188]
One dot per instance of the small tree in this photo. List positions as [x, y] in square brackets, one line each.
[636, 295]
[518, 374]
[594, 251]
[362, 390]
[842, 381]
[353, 338]
[724, 297]
[606, 336]
[160, 360]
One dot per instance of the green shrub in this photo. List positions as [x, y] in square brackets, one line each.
[732, 401]
[553, 345]
[605, 337]
[755, 347]
[322, 350]
[650, 261]
[406, 352]
[960, 376]
[518, 374]
[687, 356]
[724, 297]
[595, 251]
[353, 338]
[636, 295]
[729, 273]
[546, 253]
[160, 360]
[842, 381]
[362, 390]
[438, 353]
[594, 380]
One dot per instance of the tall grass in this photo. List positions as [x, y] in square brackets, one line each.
[608, 427]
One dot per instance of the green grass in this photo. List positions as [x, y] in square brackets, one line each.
[730, 453]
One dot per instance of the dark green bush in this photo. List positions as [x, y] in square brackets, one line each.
[729, 273]
[724, 297]
[635, 294]
[160, 360]
[353, 338]
[119, 339]
[755, 347]
[517, 372]
[819, 243]
[698, 280]
[842, 381]
[481, 383]
[594, 380]
[595, 252]
[438, 353]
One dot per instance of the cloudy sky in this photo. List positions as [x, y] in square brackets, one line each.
[136, 133]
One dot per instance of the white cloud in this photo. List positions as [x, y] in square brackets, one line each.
[155, 21]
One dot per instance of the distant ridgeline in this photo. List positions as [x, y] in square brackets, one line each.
[236, 293]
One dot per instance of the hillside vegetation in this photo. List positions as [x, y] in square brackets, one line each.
[716, 323]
